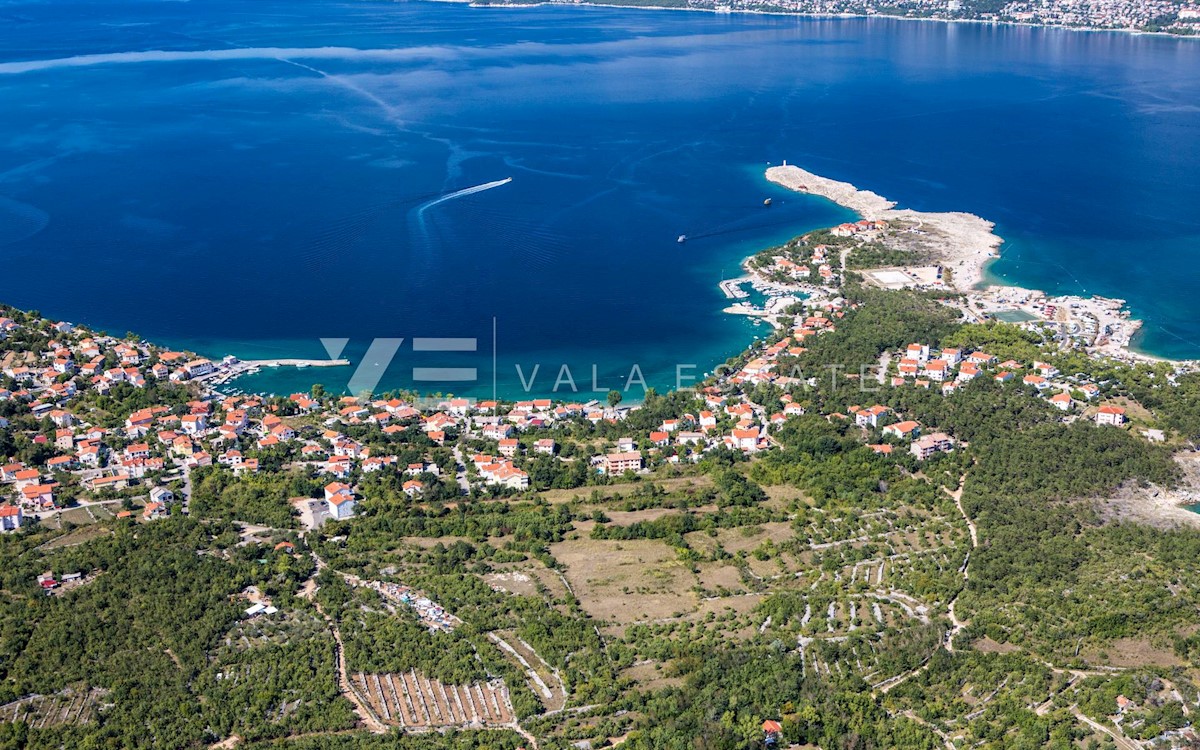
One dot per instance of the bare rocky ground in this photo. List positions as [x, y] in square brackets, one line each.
[1157, 506]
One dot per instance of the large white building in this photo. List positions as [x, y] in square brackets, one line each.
[11, 517]
[1111, 415]
[340, 500]
[928, 445]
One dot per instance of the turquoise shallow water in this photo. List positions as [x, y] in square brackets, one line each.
[249, 179]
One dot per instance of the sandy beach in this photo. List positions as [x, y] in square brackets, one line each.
[962, 242]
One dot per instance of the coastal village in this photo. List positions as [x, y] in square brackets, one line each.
[932, 252]
[86, 463]
[122, 426]
[481, 446]
[915, 507]
[98, 430]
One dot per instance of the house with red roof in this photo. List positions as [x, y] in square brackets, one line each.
[937, 369]
[870, 416]
[1110, 415]
[969, 371]
[905, 429]
[340, 500]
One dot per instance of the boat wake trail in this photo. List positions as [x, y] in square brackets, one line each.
[423, 227]
[460, 194]
[429, 237]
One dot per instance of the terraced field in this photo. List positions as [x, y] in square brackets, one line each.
[64, 707]
[414, 701]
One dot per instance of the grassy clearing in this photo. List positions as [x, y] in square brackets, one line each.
[627, 581]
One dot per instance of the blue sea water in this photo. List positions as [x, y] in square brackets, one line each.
[248, 178]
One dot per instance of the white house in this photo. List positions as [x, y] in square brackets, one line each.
[11, 517]
[870, 416]
[1046, 370]
[937, 369]
[193, 424]
[904, 429]
[746, 440]
[1061, 401]
[162, 495]
[919, 352]
[198, 367]
[340, 500]
[968, 372]
[1111, 415]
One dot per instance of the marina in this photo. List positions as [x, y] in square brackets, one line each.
[231, 367]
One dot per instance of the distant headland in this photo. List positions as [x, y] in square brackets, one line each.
[894, 248]
[1176, 17]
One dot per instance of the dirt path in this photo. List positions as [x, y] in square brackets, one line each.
[1122, 741]
[944, 737]
[360, 706]
[553, 695]
[882, 688]
[957, 495]
[957, 624]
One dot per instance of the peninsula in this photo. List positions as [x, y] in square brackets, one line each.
[961, 241]
[940, 252]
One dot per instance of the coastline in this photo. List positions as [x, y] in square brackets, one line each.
[966, 244]
[726, 10]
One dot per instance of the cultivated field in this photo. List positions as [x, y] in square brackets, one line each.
[64, 707]
[541, 678]
[415, 701]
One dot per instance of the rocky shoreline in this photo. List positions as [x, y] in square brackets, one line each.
[965, 244]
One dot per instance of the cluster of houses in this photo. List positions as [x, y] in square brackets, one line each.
[802, 271]
[879, 416]
[861, 228]
[160, 443]
[950, 368]
[151, 444]
[795, 262]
